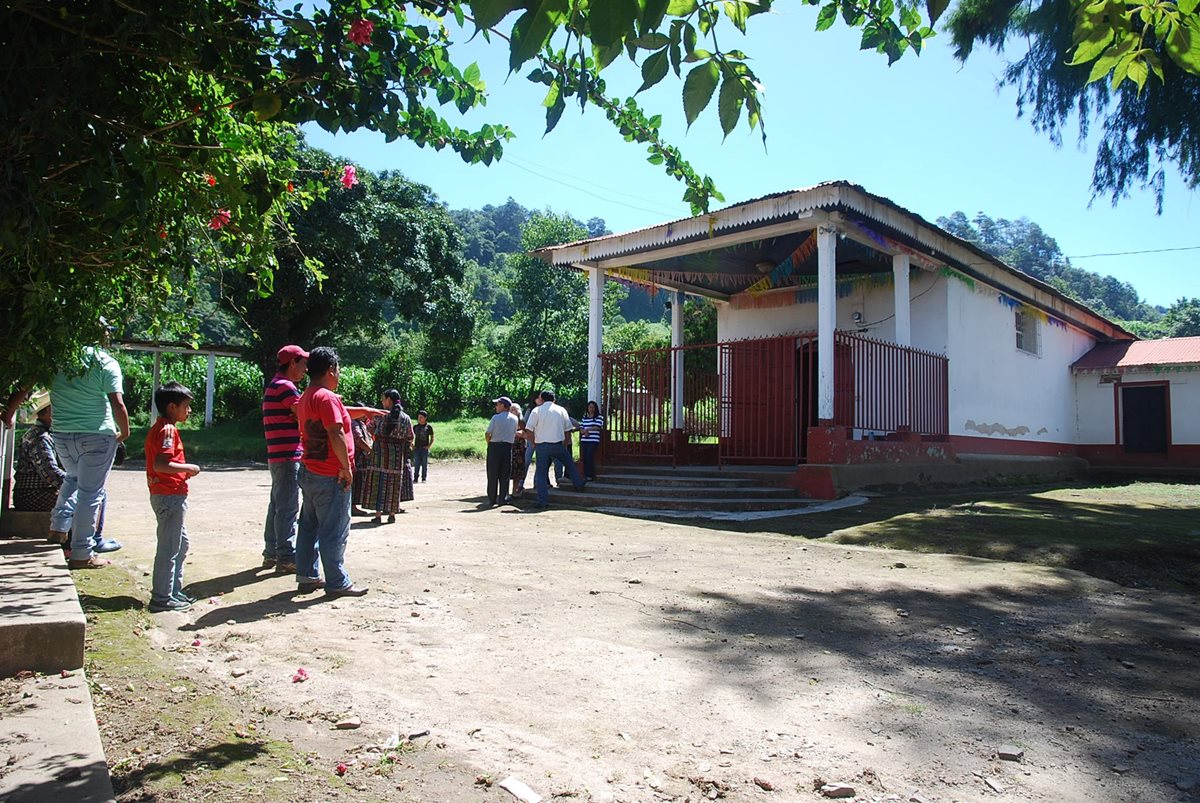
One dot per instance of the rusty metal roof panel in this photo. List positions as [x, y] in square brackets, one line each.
[1141, 353]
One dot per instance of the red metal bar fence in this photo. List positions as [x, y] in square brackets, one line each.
[884, 387]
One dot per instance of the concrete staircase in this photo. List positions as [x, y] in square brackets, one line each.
[687, 488]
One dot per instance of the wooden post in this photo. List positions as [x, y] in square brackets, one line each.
[900, 264]
[595, 331]
[677, 360]
[154, 382]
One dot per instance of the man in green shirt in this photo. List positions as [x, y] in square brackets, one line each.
[89, 420]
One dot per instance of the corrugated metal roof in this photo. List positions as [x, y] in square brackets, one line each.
[1141, 353]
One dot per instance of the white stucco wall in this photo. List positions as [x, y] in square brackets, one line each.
[876, 304]
[1095, 413]
[999, 391]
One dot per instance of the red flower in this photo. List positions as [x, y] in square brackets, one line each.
[220, 220]
[340, 769]
[196, 642]
[162, 233]
[291, 187]
[349, 176]
[212, 182]
[300, 676]
[360, 32]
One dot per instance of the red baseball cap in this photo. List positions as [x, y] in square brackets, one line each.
[289, 353]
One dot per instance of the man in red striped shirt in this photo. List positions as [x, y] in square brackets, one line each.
[283, 459]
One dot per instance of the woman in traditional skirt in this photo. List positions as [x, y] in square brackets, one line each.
[388, 480]
[362, 460]
[518, 453]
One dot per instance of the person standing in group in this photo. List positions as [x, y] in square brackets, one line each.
[534, 402]
[283, 459]
[167, 473]
[590, 427]
[551, 427]
[389, 480]
[518, 466]
[362, 459]
[500, 434]
[90, 419]
[422, 443]
[326, 477]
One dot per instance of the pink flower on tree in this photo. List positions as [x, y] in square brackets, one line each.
[220, 220]
[349, 176]
[360, 32]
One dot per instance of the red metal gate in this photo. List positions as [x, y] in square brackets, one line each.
[759, 401]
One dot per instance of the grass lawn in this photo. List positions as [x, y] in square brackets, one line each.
[241, 441]
[1140, 534]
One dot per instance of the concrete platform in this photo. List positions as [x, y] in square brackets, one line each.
[41, 623]
[50, 749]
[24, 524]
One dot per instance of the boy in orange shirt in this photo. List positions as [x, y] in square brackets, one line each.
[167, 474]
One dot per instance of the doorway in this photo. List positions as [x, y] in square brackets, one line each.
[1144, 427]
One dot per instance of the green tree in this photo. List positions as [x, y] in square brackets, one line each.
[1183, 318]
[388, 252]
[546, 338]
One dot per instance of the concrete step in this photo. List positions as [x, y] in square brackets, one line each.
[698, 489]
[588, 499]
[675, 480]
[50, 731]
[761, 475]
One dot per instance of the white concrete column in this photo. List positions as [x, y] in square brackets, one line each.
[902, 303]
[595, 331]
[209, 384]
[154, 381]
[826, 319]
[677, 360]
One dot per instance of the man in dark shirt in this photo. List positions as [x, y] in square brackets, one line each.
[423, 432]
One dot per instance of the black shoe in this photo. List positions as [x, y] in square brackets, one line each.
[348, 591]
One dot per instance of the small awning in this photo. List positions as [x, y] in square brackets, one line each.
[1171, 351]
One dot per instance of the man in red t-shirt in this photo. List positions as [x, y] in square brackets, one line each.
[326, 476]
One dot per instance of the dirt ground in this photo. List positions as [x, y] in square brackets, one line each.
[608, 659]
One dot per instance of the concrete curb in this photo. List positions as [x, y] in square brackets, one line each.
[41, 623]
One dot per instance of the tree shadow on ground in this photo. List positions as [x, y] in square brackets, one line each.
[210, 757]
[1140, 545]
[1118, 669]
[64, 780]
[123, 602]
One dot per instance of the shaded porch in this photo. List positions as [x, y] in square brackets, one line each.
[757, 402]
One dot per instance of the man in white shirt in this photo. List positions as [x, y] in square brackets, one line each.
[551, 427]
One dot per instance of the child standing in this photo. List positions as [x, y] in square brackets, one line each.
[422, 441]
[167, 474]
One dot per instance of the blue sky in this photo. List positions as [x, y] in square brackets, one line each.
[931, 135]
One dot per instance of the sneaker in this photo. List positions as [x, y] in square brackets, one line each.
[169, 605]
[106, 545]
[188, 598]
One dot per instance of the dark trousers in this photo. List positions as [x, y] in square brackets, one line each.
[589, 450]
[499, 469]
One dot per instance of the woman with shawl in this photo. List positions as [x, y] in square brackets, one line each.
[388, 480]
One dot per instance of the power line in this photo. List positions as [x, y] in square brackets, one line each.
[1130, 253]
[669, 211]
[585, 191]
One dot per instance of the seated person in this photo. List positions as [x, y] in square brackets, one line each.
[38, 475]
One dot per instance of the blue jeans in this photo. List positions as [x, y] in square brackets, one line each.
[86, 458]
[167, 582]
[420, 463]
[541, 477]
[279, 533]
[323, 531]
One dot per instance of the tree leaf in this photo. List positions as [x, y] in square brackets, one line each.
[679, 8]
[698, 90]
[738, 12]
[935, 9]
[1183, 46]
[266, 105]
[532, 30]
[1090, 48]
[554, 113]
[827, 16]
[652, 15]
[488, 13]
[654, 69]
[729, 102]
[611, 20]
